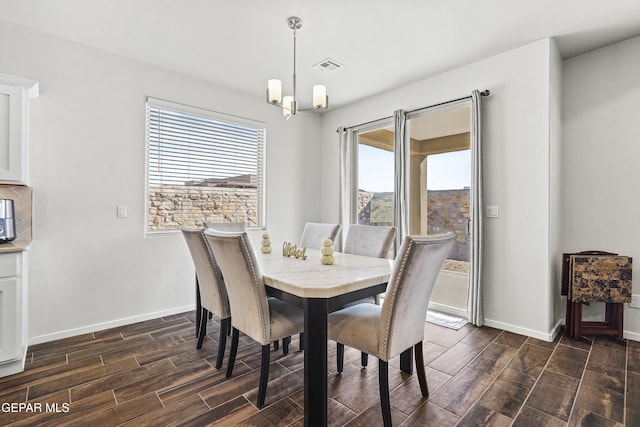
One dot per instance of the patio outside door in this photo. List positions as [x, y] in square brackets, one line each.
[439, 185]
[439, 195]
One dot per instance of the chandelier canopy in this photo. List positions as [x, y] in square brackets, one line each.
[289, 104]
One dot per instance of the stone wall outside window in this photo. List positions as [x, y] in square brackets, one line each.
[173, 206]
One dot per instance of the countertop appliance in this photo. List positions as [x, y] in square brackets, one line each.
[7, 221]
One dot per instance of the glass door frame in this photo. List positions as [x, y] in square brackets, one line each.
[354, 164]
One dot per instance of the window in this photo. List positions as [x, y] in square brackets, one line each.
[202, 166]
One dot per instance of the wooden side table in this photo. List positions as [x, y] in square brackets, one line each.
[596, 276]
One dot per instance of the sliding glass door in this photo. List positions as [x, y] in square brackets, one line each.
[439, 181]
[437, 166]
[433, 157]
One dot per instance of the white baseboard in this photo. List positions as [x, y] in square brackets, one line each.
[14, 366]
[544, 336]
[633, 336]
[556, 329]
[107, 325]
[549, 337]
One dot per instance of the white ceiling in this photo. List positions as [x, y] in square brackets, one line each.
[382, 44]
[449, 122]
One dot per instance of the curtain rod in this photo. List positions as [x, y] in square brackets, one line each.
[485, 92]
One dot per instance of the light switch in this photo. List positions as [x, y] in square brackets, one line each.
[492, 212]
[121, 211]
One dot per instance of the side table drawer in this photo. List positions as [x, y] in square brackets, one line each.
[10, 264]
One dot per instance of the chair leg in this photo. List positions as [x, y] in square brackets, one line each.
[264, 375]
[222, 341]
[385, 403]
[301, 341]
[422, 376]
[202, 329]
[276, 345]
[232, 352]
[198, 308]
[364, 359]
[340, 356]
[285, 345]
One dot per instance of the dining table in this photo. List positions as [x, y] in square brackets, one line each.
[320, 289]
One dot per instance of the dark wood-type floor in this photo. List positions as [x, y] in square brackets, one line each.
[150, 373]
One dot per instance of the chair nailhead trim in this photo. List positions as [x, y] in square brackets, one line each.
[387, 315]
[248, 256]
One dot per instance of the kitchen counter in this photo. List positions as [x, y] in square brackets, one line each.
[14, 246]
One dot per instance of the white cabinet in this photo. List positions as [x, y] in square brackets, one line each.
[13, 313]
[15, 94]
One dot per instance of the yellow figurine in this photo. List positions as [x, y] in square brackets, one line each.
[266, 244]
[327, 252]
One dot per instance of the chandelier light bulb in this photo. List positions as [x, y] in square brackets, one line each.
[319, 96]
[274, 91]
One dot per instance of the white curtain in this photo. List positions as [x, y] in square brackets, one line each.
[346, 208]
[401, 151]
[474, 304]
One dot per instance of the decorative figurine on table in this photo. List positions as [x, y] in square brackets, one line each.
[327, 252]
[289, 249]
[266, 244]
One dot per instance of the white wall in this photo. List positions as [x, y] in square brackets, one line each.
[88, 269]
[516, 135]
[556, 303]
[601, 156]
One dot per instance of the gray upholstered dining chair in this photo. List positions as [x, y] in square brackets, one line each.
[315, 233]
[225, 226]
[373, 241]
[388, 330]
[369, 240]
[238, 227]
[213, 294]
[262, 319]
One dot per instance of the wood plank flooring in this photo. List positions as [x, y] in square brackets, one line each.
[150, 374]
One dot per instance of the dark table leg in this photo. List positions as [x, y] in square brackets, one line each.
[406, 361]
[315, 361]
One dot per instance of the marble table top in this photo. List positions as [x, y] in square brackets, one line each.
[311, 279]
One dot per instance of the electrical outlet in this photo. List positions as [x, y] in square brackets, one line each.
[492, 212]
[635, 301]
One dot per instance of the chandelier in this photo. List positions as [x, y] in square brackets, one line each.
[289, 104]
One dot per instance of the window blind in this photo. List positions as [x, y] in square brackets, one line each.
[210, 155]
